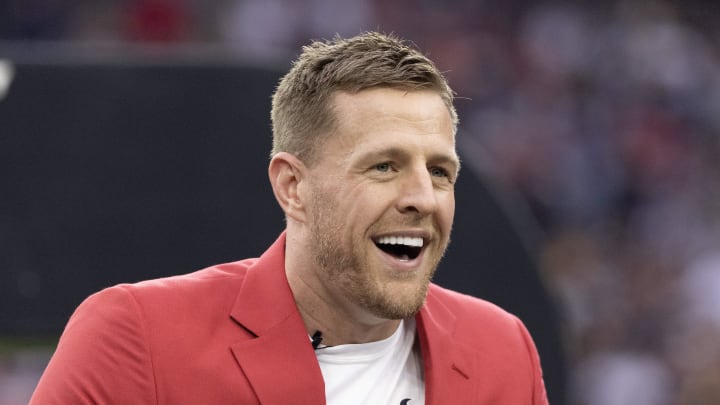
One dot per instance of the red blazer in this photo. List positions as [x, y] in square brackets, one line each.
[232, 334]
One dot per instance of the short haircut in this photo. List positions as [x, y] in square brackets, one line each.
[302, 114]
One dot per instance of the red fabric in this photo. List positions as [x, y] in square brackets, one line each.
[232, 334]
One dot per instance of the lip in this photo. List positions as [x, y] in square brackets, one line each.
[404, 266]
[413, 233]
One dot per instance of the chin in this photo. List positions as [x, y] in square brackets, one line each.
[399, 302]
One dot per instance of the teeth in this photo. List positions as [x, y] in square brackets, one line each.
[401, 240]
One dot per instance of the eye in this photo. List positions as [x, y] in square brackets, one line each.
[383, 167]
[438, 172]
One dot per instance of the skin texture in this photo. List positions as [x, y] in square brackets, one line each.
[388, 169]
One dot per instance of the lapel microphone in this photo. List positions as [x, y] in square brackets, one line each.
[316, 339]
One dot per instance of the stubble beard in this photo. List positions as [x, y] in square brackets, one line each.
[346, 268]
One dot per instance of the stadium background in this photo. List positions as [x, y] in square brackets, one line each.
[133, 136]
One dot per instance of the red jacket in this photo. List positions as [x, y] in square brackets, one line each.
[232, 334]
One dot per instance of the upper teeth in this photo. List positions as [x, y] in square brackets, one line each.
[401, 240]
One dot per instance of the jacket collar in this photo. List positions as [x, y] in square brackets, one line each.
[279, 361]
[448, 365]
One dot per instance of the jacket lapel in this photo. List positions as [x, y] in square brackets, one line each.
[279, 361]
[449, 367]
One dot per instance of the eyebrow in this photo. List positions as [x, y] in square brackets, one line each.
[452, 160]
[394, 152]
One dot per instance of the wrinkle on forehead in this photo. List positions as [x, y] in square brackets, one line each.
[364, 111]
[383, 105]
[371, 118]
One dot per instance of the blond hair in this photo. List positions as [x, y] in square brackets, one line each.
[301, 106]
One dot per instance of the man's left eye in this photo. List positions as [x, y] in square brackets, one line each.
[382, 167]
[438, 172]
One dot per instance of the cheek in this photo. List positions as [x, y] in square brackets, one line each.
[447, 210]
[357, 213]
[365, 202]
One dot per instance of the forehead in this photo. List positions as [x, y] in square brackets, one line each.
[387, 114]
[382, 102]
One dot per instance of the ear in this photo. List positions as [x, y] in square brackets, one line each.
[286, 172]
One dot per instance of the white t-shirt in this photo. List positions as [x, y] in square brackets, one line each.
[385, 372]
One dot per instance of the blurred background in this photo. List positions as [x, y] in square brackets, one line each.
[595, 125]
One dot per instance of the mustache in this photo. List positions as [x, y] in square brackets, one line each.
[425, 224]
[412, 220]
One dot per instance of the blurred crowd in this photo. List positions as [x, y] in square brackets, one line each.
[606, 123]
[602, 118]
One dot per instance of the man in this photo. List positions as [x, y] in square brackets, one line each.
[340, 309]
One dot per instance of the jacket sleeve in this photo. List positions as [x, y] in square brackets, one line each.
[539, 394]
[102, 356]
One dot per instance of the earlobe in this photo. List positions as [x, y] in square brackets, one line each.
[286, 172]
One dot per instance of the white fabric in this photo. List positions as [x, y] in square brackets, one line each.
[385, 372]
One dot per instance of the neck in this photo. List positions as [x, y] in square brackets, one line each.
[339, 320]
[338, 327]
[325, 309]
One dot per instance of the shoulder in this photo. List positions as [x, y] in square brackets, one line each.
[495, 341]
[466, 306]
[121, 343]
[473, 318]
[151, 314]
[221, 279]
[214, 274]
[172, 299]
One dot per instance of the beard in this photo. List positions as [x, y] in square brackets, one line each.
[345, 266]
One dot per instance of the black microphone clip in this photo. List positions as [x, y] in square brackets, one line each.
[316, 339]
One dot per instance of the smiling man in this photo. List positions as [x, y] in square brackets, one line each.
[341, 308]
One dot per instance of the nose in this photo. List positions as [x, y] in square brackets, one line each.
[417, 193]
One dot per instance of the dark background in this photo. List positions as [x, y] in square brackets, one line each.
[118, 172]
[600, 117]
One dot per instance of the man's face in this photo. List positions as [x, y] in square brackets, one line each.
[383, 200]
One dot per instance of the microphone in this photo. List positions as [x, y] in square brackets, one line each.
[316, 339]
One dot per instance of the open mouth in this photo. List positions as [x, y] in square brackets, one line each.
[404, 248]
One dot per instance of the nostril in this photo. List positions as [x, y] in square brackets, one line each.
[410, 208]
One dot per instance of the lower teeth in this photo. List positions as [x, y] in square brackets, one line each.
[404, 258]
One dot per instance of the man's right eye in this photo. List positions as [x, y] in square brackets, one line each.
[382, 167]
